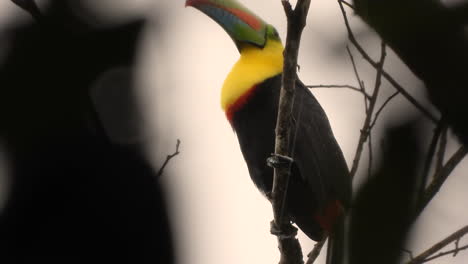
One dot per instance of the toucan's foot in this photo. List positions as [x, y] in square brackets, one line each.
[279, 161]
[288, 231]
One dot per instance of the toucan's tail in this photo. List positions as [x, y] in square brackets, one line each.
[336, 243]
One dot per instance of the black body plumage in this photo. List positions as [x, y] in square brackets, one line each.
[319, 174]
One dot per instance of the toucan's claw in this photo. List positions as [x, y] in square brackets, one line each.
[279, 161]
[287, 231]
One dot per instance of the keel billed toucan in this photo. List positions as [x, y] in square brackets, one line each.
[319, 188]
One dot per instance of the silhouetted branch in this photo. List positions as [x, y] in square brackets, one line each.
[168, 158]
[288, 244]
[366, 126]
[377, 114]
[358, 78]
[440, 177]
[384, 73]
[455, 237]
[346, 86]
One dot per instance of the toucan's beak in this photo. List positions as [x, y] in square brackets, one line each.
[240, 23]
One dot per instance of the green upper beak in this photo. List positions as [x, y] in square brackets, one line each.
[240, 23]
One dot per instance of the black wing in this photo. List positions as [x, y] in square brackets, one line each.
[315, 151]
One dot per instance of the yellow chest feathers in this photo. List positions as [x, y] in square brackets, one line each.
[254, 66]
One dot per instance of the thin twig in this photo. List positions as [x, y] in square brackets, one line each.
[313, 255]
[366, 126]
[354, 88]
[168, 158]
[387, 76]
[358, 78]
[440, 177]
[443, 253]
[426, 255]
[377, 114]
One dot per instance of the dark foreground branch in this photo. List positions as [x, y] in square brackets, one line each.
[288, 244]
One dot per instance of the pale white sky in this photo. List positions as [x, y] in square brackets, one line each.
[218, 215]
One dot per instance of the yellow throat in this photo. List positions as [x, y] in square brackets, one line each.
[253, 67]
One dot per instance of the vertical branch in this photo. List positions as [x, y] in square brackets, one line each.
[361, 83]
[367, 122]
[296, 19]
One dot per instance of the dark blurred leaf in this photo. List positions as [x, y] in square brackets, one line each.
[384, 206]
[431, 40]
[75, 197]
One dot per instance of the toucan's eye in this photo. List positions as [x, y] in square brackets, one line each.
[275, 33]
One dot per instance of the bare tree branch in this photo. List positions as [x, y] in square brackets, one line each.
[440, 177]
[387, 76]
[426, 255]
[168, 158]
[443, 253]
[354, 88]
[358, 78]
[366, 126]
[377, 114]
[288, 244]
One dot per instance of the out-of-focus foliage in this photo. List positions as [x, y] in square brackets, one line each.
[76, 196]
[431, 39]
[384, 206]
